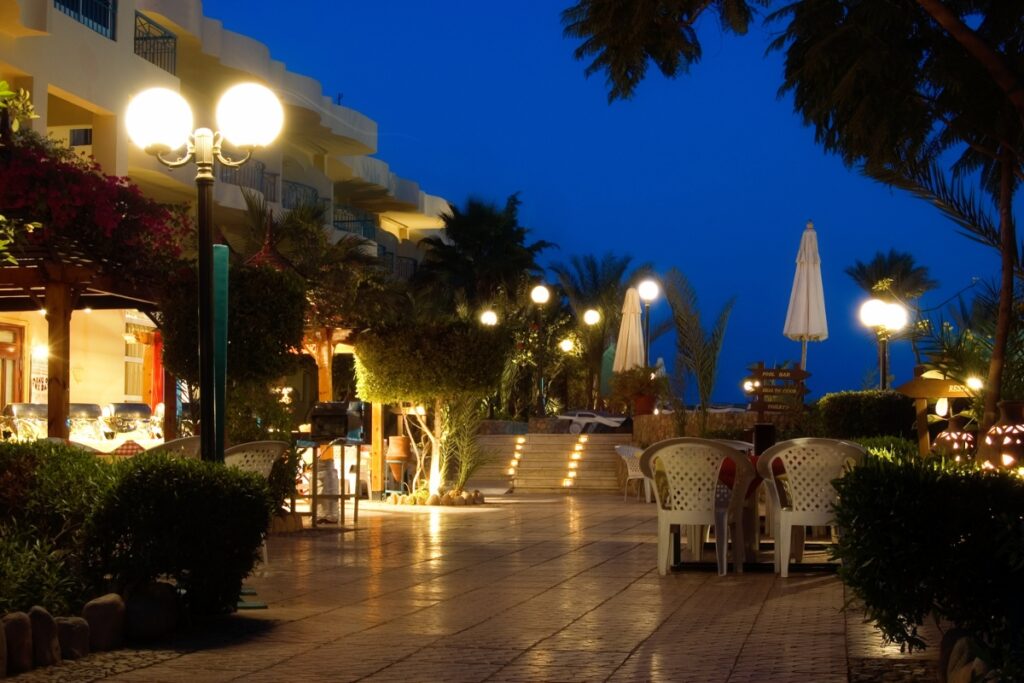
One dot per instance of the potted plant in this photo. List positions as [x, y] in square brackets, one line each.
[640, 387]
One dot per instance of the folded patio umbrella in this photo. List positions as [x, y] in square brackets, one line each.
[629, 346]
[805, 319]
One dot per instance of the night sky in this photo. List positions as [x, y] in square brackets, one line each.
[710, 173]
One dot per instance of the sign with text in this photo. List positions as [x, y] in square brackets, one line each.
[777, 390]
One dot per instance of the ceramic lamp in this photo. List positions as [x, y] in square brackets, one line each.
[1003, 445]
[954, 441]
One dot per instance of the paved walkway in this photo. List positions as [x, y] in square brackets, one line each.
[527, 588]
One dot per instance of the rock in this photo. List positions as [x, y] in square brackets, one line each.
[105, 615]
[151, 612]
[458, 500]
[412, 500]
[394, 499]
[73, 633]
[446, 499]
[480, 498]
[18, 637]
[467, 496]
[434, 500]
[45, 643]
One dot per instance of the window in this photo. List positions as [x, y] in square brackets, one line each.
[10, 364]
[134, 359]
[80, 137]
[99, 15]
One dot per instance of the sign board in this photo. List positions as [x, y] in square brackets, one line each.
[777, 390]
[40, 379]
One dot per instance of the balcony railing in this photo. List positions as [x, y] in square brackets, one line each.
[250, 175]
[405, 267]
[294, 194]
[99, 15]
[270, 186]
[154, 43]
[357, 222]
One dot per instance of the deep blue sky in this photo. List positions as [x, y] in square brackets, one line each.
[710, 173]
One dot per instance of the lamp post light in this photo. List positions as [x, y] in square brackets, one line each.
[648, 291]
[540, 295]
[489, 318]
[159, 121]
[884, 318]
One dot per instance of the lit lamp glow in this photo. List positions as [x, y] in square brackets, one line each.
[591, 316]
[160, 121]
[489, 318]
[648, 291]
[884, 318]
[540, 294]
[954, 441]
[1004, 442]
[566, 345]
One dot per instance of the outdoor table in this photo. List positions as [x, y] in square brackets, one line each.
[123, 447]
[751, 525]
[317, 445]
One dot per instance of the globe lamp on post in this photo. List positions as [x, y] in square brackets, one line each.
[884, 318]
[648, 291]
[160, 121]
[540, 295]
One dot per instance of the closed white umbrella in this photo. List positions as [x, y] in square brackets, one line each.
[805, 319]
[629, 347]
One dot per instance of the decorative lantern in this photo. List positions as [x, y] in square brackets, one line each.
[954, 441]
[1003, 446]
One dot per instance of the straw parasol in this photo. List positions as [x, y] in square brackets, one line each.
[805, 319]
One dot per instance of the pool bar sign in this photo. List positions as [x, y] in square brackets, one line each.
[777, 390]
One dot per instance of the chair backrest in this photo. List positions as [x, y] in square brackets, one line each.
[685, 471]
[810, 466]
[631, 456]
[186, 447]
[741, 446]
[255, 456]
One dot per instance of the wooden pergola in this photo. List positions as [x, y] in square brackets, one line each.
[60, 281]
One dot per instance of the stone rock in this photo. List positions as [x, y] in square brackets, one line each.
[458, 500]
[18, 637]
[479, 498]
[467, 496]
[45, 643]
[412, 500]
[446, 499]
[105, 616]
[151, 612]
[393, 499]
[73, 633]
[434, 500]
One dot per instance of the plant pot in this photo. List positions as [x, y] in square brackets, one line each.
[1003, 445]
[644, 404]
[397, 456]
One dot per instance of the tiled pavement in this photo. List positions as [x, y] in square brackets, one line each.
[526, 588]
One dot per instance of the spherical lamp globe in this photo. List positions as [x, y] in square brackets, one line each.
[159, 120]
[540, 294]
[591, 316]
[648, 290]
[249, 115]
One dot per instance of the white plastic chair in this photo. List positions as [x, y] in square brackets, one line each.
[186, 448]
[255, 456]
[631, 456]
[258, 457]
[810, 467]
[685, 472]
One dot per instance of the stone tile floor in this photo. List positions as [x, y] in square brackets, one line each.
[526, 588]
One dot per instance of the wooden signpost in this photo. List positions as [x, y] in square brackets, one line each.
[777, 390]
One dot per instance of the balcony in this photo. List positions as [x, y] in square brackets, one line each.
[350, 219]
[99, 15]
[270, 186]
[405, 267]
[251, 175]
[154, 43]
[295, 194]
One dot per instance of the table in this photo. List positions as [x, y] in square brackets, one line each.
[317, 445]
[121, 445]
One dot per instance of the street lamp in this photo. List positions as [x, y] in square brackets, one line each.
[159, 121]
[591, 317]
[489, 318]
[540, 295]
[884, 318]
[648, 291]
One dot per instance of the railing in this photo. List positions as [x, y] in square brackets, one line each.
[387, 259]
[99, 15]
[357, 222]
[154, 43]
[405, 267]
[250, 175]
[294, 194]
[270, 186]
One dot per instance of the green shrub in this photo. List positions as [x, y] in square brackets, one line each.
[922, 537]
[34, 572]
[888, 447]
[281, 481]
[199, 523]
[852, 414]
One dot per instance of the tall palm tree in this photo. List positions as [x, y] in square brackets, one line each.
[481, 254]
[589, 282]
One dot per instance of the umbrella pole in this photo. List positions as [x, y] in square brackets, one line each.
[803, 354]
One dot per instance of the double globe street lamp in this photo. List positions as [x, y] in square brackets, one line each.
[159, 121]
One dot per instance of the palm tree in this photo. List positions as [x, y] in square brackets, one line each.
[589, 282]
[892, 276]
[697, 349]
[482, 253]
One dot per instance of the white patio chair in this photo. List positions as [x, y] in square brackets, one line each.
[685, 473]
[186, 448]
[631, 456]
[804, 495]
[258, 457]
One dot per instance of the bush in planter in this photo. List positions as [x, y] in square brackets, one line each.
[199, 523]
[639, 381]
[921, 537]
[889, 447]
[852, 414]
[34, 572]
